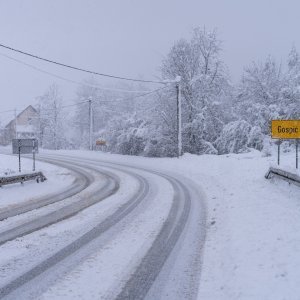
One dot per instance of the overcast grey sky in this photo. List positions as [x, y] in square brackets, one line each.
[130, 37]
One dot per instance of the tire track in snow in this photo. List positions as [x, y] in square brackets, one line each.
[81, 182]
[109, 222]
[67, 211]
[143, 278]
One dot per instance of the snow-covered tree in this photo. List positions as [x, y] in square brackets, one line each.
[81, 121]
[259, 94]
[50, 115]
[291, 90]
[268, 91]
[204, 84]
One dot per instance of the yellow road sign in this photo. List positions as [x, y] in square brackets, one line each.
[285, 129]
[100, 143]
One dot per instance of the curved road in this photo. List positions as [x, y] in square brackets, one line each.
[82, 181]
[170, 266]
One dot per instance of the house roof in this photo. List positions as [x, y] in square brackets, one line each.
[28, 107]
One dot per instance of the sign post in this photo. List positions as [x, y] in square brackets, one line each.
[33, 155]
[100, 144]
[25, 146]
[278, 153]
[19, 150]
[296, 153]
[286, 129]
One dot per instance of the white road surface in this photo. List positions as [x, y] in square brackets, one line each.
[131, 233]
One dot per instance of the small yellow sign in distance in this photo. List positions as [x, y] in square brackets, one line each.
[285, 129]
[100, 143]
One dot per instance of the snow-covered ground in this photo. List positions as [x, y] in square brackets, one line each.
[253, 238]
[57, 179]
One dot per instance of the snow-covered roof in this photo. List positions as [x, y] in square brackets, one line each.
[9, 118]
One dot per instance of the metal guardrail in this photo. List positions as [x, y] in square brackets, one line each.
[287, 176]
[37, 176]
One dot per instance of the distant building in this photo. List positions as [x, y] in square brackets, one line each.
[23, 126]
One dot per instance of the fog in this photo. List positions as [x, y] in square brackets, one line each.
[130, 38]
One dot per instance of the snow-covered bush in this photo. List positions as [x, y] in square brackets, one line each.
[207, 148]
[233, 138]
[163, 147]
[126, 135]
[255, 138]
[267, 146]
[286, 147]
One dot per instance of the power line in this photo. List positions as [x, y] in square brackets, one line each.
[7, 111]
[77, 68]
[106, 101]
[142, 95]
[113, 100]
[101, 101]
[69, 80]
[133, 97]
[64, 106]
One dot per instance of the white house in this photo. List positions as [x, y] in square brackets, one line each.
[23, 126]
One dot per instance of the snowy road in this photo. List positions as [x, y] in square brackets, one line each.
[81, 182]
[133, 233]
[41, 219]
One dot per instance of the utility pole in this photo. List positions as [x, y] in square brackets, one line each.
[19, 151]
[179, 125]
[16, 129]
[55, 125]
[91, 125]
[39, 135]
